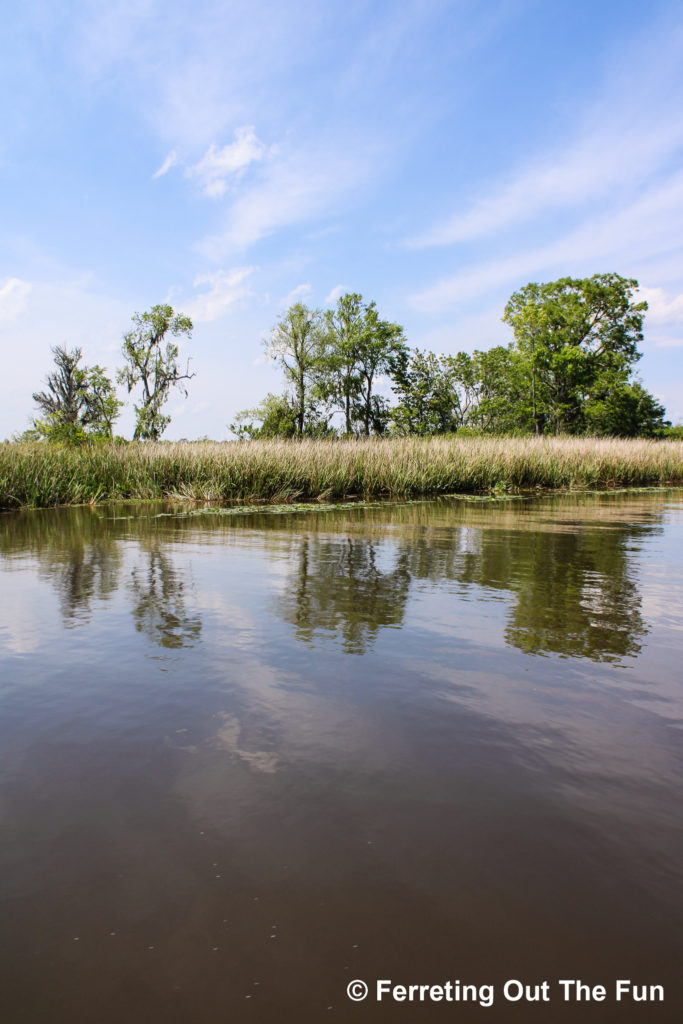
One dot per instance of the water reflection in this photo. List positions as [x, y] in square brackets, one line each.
[252, 813]
[576, 595]
[82, 574]
[568, 572]
[573, 591]
[79, 558]
[338, 586]
[159, 608]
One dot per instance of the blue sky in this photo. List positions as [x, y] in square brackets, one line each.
[230, 158]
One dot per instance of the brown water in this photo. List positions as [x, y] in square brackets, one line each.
[247, 760]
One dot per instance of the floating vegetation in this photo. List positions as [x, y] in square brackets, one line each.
[288, 509]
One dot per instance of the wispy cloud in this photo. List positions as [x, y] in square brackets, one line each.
[218, 166]
[339, 289]
[13, 296]
[226, 289]
[182, 409]
[298, 294]
[627, 135]
[591, 169]
[644, 228]
[478, 330]
[44, 313]
[294, 187]
[666, 341]
[663, 307]
[170, 161]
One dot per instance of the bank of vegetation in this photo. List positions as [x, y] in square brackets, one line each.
[361, 414]
[35, 474]
[568, 370]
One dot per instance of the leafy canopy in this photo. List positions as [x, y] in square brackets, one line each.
[154, 366]
[576, 341]
[569, 369]
[297, 345]
[79, 403]
[359, 349]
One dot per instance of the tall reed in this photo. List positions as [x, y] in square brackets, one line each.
[43, 475]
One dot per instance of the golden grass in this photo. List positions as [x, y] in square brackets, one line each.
[44, 475]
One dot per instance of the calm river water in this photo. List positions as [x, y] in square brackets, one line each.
[249, 759]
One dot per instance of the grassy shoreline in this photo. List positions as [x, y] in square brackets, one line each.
[43, 475]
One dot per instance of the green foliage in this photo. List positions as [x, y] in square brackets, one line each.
[277, 416]
[427, 396]
[273, 417]
[359, 349]
[627, 410]
[568, 370]
[154, 366]
[445, 394]
[104, 407]
[297, 345]
[379, 345]
[79, 403]
[576, 340]
[28, 436]
[341, 384]
[330, 362]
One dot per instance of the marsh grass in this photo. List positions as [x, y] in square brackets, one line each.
[282, 472]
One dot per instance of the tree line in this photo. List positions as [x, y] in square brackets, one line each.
[569, 369]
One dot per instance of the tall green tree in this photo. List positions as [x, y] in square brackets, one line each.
[425, 398]
[104, 407]
[341, 381]
[78, 403]
[297, 346]
[499, 401]
[578, 340]
[360, 349]
[379, 345]
[152, 361]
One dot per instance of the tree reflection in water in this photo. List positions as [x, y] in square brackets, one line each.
[159, 601]
[566, 568]
[339, 587]
[83, 553]
[572, 582]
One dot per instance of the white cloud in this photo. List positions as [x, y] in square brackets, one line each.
[663, 308]
[294, 187]
[480, 330]
[182, 409]
[226, 289]
[339, 289]
[170, 161]
[217, 166]
[13, 295]
[665, 341]
[592, 169]
[27, 614]
[298, 294]
[198, 408]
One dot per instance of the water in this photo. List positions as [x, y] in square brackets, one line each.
[249, 759]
